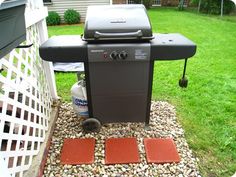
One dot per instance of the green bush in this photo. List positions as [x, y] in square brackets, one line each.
[53, 18]
[229, 6]
[213, 6]
[146, 3]
[181, 5]
[71, 16]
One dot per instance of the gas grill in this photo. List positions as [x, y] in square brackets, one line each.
[118, 49]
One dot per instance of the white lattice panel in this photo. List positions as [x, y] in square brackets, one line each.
[25, 104]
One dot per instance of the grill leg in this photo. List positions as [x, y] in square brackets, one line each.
[185, 66]
[149, 96]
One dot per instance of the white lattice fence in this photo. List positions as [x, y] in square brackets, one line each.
[25, 103]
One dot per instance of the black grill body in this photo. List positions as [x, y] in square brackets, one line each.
[118, 52]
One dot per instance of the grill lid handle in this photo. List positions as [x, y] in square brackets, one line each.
[137, 34]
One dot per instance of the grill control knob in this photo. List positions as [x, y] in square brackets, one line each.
[123, 55]
[114, 55]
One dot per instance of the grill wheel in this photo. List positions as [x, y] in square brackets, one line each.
[91, 125]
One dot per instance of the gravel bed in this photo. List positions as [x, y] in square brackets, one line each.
[163, 124]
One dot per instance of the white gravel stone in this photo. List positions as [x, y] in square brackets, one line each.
[163, 124]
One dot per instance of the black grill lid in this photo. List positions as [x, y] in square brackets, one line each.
[117, 22]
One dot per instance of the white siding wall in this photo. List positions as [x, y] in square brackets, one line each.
[60, 6]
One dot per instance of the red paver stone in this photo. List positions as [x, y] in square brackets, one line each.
[159, 150]
[78, 151]
[121, 151]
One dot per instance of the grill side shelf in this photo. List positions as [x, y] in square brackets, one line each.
[171, 47]
[66, 48]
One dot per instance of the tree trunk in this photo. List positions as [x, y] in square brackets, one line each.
[199, 5]
[221, 9]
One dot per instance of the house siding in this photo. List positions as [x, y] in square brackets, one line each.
[119, 1]
[173, 2]
[60, 6]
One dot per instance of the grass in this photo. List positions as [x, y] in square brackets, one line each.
[207, 108]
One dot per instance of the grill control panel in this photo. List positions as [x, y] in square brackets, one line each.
[118, 52]
[115, 55]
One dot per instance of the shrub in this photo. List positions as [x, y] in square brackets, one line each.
[71, 16]
[146, 3]
[53, 18]
[213, 6]
[229, 7]
[181, 5]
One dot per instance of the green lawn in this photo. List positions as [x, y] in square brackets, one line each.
[207, 108]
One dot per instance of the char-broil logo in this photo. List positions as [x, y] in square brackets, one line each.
[97, 51]
[118, 20]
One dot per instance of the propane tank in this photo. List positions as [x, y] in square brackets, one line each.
[79, 99]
